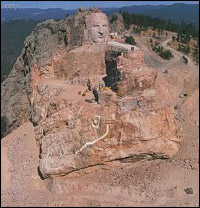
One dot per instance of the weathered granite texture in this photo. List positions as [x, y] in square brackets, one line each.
[117, 23]
[42, 48]
[48, 86]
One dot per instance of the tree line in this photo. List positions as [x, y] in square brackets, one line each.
[185, 31]
[13, 35]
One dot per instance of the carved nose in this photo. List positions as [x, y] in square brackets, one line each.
[101, 31]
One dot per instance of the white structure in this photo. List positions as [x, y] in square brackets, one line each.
[123, 46]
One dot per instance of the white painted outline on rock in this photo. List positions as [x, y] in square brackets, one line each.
[93, 142]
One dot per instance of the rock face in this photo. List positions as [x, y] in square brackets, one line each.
[17, 90]
[117, 23]
[78, 122]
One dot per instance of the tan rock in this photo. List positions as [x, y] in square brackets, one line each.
[133, 117]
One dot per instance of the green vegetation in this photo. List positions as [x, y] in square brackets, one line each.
[13, 35]
[173, 38]
[137, 30]
[157, 49]
[165, 54]
[65, 40]
[185, 60]
[4, 126]
[113, 19]
[196, 53]
[130, 40]
[143, 22]
[186, 32]
[184, 48]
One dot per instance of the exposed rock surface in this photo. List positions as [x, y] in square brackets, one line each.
[19, 161]
[73, 131]
[49, 42]
[117, 23]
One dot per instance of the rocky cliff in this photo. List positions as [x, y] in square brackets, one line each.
[58, 83]
[117, 23]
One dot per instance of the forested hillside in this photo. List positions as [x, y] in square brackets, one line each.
[185, 33]
[13, 34]
[144, 22]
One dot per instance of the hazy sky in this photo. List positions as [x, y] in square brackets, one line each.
[77, 4]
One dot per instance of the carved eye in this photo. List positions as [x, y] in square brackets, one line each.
[104, 25]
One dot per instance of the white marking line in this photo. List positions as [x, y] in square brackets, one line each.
[80, 111]
[93, 142]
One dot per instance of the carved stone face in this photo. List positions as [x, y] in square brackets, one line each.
[98, 27]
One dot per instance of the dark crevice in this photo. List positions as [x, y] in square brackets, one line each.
[129, 159]
[113, 75]
[84, 168]
[40, 174]
[148, 156]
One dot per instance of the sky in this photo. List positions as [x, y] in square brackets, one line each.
[78, 4]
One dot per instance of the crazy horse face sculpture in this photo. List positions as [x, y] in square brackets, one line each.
[98, 27]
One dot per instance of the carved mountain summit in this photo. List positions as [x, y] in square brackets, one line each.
[91, 100]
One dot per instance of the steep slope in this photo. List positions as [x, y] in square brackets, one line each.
[13, 35]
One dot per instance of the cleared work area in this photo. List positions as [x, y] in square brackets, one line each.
[122, 45]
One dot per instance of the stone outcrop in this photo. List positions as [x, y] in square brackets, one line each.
[117, 23]
[17, 89]
[43, 57]
[75, 128]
